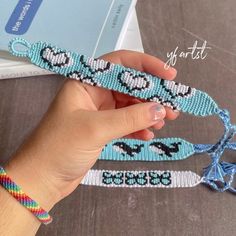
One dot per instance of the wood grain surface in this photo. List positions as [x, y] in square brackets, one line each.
[92, 211]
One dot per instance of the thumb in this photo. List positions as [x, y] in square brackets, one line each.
[117, 123]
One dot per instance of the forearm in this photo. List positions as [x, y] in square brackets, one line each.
[16, 219]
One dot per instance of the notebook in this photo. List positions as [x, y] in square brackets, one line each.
[89, 27]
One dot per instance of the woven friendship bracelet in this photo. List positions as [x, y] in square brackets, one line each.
[97, 72]
[23, 199]
[150, 178]
[145, 179]
[161, 149]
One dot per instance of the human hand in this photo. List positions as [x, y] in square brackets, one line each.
[79, 122]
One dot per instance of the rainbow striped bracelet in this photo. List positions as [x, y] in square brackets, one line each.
[16, 191]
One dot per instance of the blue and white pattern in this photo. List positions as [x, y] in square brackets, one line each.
[56, 58]
[116, 77]
[141, 179]
[165, 149]
[137, 82]
[156, 178]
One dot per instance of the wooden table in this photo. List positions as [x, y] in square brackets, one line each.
[197, 211]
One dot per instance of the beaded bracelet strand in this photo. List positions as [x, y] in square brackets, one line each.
[97, 72]
[137, 179]
[7, 183]
[149, 179]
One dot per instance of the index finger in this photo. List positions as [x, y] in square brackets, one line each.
[147, 63]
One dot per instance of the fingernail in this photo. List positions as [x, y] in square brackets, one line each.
[161, 123]
[173, 72]
[157, 112]
[151, 136]
[176, 111]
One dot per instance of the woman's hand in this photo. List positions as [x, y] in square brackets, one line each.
[81, 120]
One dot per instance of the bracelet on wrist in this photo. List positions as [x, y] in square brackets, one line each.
[7, 183]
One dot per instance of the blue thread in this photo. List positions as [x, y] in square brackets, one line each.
[230, 170]
[202, 148]
[215, 174]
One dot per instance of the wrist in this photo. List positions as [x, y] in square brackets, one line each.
[33, 180]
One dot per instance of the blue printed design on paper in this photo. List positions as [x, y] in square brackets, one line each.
[22, 16]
